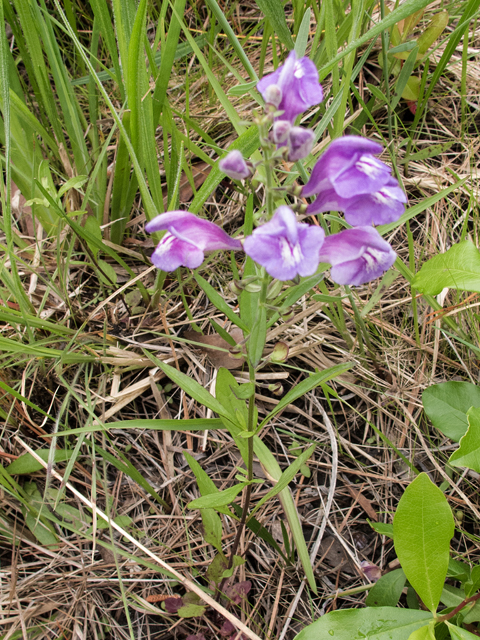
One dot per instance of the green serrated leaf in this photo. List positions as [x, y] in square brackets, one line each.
[372, 623]
[447, 404]
[387, 590]
[457, 268]
[422, 529]
[468, 453]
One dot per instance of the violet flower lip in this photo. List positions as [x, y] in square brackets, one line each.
[285, 247]
[186, 240]
[350, 167]
[381, 207]
[297, 84]
[357, 255]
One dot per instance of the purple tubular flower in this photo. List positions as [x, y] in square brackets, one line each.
[285, 247]
[234, 165]
[186, 240]
[349, 166]
[300, 143]
[381, 207]
[297, 81]
[357, 255]
[280, 131]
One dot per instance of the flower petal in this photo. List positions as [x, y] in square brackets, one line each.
[172, 253]
[357, 255]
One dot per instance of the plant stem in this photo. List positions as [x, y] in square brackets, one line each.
[458, 608]
[248, 488]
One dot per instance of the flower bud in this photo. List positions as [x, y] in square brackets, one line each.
[253, 288]
[236, 352]
[280, 131]
[235, 166]
[273, 95]
[371, 571]
[234, 288]
[276, 388]
[279, 353]
[300, 143]
[274, 289]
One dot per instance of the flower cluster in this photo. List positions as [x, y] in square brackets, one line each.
[348, 178]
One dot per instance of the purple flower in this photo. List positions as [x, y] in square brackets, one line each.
[234, 165]
[300, 143]
[349, 166]
[380, 207]
[357, 255]
[186, 240]
[285, 247]
[296, 87]
[280, 131]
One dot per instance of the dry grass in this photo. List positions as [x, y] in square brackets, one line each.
[78, 589]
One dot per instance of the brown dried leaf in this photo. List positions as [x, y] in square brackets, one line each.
[363, 502]
[218, 358]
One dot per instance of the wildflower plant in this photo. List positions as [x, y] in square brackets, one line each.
[283, 249]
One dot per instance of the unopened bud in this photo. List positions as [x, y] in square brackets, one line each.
[300, 143]
[274, 289]
[235, 287]
[235, 166]
[253, 288]
[371, 571]
[280, 131]
[276, 388]
[288, 315]
[236, 352]
[273, 95]
[280, 352]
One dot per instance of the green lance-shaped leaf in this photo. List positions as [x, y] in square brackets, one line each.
[457, 633]
[387, 591]
[216, 500]
[457, 268]
[422, 529]
[447, 404]
[468, 453]
[27, 464]
[372, 623]
[433, 31]
[424, 633]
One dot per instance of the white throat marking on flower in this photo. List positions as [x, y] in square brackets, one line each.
[298, 70]
[383, 197]
[368, 165]
[291, 254]
[165, 244]
[374, 258]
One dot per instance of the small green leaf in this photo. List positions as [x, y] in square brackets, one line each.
[286, 477]
[218, 301]
[242, 89]
[74, 183]
[217, 567]
[434, 30]
[27, 464]
[245, 391]
[447, 404]
[387, 591]
[92, 226]
[457, 633]
[468, 453]
[411, 90]
[275, 13]
[457, 268]
[191, 611]
[219, 499]
[422, 529]
[237, 562]
[372, 623]
[458, 570]
[107, 275]
[382, 528]
[473, 585]
[424, 633]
